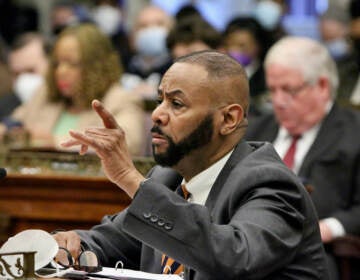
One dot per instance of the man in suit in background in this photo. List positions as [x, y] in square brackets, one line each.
[302, 80]
[247, 217]
[27, 62]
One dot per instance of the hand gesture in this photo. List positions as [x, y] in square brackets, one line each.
[109, 143]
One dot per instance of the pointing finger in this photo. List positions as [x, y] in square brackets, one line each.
[107, 118]
[70, 143]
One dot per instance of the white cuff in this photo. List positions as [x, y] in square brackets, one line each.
[336, 228]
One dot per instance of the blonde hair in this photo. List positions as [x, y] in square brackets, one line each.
[100, 65]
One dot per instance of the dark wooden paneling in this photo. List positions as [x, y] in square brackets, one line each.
[51, 201]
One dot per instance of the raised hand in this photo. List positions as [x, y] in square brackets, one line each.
[109, 143]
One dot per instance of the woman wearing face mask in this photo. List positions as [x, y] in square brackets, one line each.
[83, 66]
[247, 42]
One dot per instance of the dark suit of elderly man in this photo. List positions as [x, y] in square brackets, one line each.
[247, 216]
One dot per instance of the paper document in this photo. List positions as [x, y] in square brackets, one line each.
[122, 274]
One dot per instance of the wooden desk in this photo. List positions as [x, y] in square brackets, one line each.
[48, 189]
[52, 202]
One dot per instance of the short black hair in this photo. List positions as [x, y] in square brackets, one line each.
[193, 29]
[251, 25]
[354, 9]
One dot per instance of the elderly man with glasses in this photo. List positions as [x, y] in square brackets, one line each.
[318, 140]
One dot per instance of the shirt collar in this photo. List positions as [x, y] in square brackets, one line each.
[200, 185]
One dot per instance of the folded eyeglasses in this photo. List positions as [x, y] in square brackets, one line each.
[87, 261]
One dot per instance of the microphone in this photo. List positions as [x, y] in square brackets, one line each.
[2, 173]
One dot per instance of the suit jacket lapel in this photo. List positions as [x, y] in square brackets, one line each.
[329, 133]
[241, 150]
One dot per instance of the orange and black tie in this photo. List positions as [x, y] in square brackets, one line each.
[169, 265]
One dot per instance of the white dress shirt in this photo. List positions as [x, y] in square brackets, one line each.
[284, 139]
[199, 186]
[355, 97]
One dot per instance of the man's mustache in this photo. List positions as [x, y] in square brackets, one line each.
[157, 129]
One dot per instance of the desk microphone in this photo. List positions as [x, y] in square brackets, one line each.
[2, 173]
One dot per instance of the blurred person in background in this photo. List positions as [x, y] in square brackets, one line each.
[334, 27]
[192, 34]
[27, 63]
[354, 9]
[5, 77]
[151, 57]
[247, 42]
[318, 139]
[109, 16]
[66, 13]
[17, 17]
[269, 14]
[83, 66]
[187, 11]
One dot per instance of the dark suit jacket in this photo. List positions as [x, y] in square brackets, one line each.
[258, 223]
[332, 165]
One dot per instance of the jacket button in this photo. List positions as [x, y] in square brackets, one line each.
[161, 222]
[154, 218]
[146, 215]
[168, 226]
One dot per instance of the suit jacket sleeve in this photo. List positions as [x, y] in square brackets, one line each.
[263, 231]
[108, 239]
[111, 243]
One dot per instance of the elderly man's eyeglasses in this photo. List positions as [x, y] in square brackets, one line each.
[87, 260]
[291, 91]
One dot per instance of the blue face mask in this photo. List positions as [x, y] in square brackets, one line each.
[268, 13]
[337, 48]
[242, 58]
[151, 41]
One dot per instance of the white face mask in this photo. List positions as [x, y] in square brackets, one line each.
[338, 48]
[268, 13]
[26, 85]
[151, 41]
[107, 18]
[42, 242]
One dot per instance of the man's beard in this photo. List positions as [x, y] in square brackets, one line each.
[198, 138]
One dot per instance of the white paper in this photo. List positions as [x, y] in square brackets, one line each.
[112, 272]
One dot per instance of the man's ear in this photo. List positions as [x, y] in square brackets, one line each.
[233, 118]
[324, 88]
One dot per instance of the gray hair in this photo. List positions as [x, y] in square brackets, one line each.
[306, 55]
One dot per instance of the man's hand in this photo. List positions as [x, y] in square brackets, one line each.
[326, 234]
[69, 240]
[109, 143]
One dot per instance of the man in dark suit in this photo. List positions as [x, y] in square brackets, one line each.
[247, 217]
[302, 80]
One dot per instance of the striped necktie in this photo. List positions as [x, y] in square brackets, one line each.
[169, 265]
